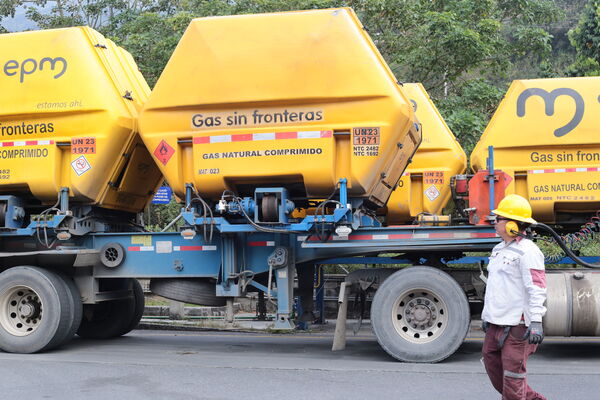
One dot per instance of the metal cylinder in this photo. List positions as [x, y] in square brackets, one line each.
[573, 304]
[558, 319]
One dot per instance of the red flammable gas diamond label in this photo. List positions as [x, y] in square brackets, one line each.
[164, 152]
[432, 193]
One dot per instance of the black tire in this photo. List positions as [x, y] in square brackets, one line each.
[139, 304]
[76, 307]
[47, 304]
[193, 291]
[108, 319]
[420, 314]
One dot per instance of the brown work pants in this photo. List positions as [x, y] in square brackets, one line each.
[506, 366]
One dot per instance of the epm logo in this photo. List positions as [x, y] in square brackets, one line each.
[549, 100]
[29, 66]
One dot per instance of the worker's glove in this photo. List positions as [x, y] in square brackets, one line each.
[535, 333]
[484, 325]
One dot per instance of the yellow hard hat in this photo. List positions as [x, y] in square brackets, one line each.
[515, 207]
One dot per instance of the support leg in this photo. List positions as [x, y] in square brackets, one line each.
[285, 293]
[229, 310]
[226, 285]
[339, 337]
[320, 295]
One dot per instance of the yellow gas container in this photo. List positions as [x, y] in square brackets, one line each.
[425, 185]
[68, 119]
[293, 99]
[546, 136]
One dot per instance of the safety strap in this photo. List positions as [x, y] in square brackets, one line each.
[482, 275]
[503, 337]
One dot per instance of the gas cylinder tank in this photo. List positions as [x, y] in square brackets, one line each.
[68, 119]
[425, 184]
[295, 99]
[546, 136]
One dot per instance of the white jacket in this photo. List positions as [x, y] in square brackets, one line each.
[516, 285]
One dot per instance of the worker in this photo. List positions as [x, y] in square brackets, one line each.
[514, 302]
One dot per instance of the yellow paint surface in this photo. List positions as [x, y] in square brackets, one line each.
[68, 118]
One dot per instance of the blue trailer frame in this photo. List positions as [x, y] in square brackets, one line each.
[233, 258]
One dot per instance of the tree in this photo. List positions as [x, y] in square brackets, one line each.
[585, 38]
[469, 108]
[97, 14]
[158, 216]
[440, 43]
[8, 8]
[150, 37]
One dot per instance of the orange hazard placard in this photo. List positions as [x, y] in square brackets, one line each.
[163, 152]
[365, 141]
[366, 136]
[83, 145]
[433, 178]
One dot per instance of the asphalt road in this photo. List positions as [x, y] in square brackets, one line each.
[231, 365]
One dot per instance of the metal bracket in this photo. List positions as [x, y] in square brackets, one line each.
[279, 258]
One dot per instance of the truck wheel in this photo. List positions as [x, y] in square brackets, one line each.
[75, 305]
[36, 310]
[108, 319]
[138, 310]
[420, 314]
[194, 291]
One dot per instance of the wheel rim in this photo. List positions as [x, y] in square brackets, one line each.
[20, 311]
[419, 316]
